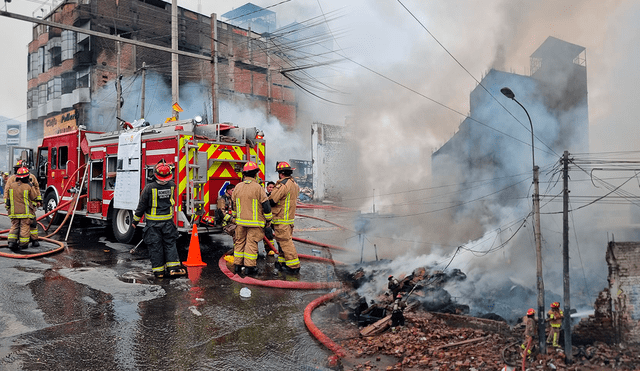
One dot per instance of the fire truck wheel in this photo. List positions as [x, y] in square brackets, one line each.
[50, 203]
[121, 224]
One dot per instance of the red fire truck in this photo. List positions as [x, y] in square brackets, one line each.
[119, 163]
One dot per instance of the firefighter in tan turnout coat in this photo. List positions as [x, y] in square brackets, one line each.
[19, 198]
[252, 213]
[283, 200]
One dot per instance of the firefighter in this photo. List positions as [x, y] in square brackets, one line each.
[554, 317]
[33, 225]
[397, 315]
[529, 332]
[160, 232]
[252, 213]
[224, 204]
[283, 200]
[19, 196]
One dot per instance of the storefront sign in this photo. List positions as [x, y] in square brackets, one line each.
[62, 123]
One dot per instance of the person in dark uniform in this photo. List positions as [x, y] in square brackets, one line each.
[160, 232]
[397, 315]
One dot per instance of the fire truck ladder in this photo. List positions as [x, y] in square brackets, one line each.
[196, 178]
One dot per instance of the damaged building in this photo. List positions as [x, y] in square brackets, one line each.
[616, 318]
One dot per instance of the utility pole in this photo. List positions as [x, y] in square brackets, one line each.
[174, 57]
[565, 257]
[538, 235]
[118, 83]
[215, 87]
[144, 76]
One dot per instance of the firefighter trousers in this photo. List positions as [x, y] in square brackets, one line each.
[245, 248]
[283, 233]
[33, 229]
[554, 336]
[20, 230]
[160, 238]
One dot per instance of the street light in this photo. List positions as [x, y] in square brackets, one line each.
[536, 216]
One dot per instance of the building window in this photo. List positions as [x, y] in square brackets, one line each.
[54, 87]
[33, 71]
[83, 78]
[41, 59]
[68, 44]
[42, 94]
[29, 99]
[68, 82]
[56, 56]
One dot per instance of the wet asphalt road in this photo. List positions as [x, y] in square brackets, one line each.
[95, 306]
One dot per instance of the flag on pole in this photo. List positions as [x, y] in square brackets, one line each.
[177, 108]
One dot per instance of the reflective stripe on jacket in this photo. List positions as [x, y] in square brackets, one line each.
[156, 202]
[285, 196]
[19, 197]
[248, 197]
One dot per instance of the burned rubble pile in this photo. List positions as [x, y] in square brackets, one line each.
[448, 340]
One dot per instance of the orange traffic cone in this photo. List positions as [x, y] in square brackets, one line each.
[194, 259]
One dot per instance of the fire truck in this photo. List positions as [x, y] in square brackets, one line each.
[111, 168]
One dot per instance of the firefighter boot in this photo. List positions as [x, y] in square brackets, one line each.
[291, 270]
[35, 243]
[13, 246]
[159, 274]
[177, 272]
[238, 269]
[251, 271]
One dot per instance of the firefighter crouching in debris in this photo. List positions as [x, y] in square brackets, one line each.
[397, 315]
[33, 226]
[529, 332]
[554, 317]
[252, 213]
[283, 200]
[18, 198]
[160, 232]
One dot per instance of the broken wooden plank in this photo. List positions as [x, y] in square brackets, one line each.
[461, 343]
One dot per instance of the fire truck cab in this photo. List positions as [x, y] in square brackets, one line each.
[110, 169]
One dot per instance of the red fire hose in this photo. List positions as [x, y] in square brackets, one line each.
[222, 263]
[300, 205]
[36, 255]
[315, 331]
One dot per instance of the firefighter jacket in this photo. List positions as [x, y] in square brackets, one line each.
[18, 198]
[224, 203]
[34, 182]
[252, 207]
[530, 326]
[555, 318]
[283, 200]
[156, 202]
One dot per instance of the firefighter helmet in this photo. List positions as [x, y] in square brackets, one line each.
[283, 166]
[249, 166]
[162, 172]
[531, 312]
[390, 277]
[18, 165]
[555, 304]
[23, 172]
[399, 296]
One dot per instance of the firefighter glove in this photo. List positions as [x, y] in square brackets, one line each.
[268, 232]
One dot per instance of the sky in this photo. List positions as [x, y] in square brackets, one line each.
[405, 71]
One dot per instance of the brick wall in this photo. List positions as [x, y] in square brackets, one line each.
[617, 309]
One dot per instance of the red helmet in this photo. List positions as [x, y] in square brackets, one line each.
[249, 166]
[531, 312]
[399, 296]
[282, 166]
[390, 276]
[23, 172]
[163, 172]
[555, 304]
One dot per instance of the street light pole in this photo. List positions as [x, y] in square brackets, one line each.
[538, 237]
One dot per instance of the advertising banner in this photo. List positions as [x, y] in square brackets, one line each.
[13, 134]
[61, 123]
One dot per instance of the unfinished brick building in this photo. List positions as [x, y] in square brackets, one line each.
[67, 69]
[617, 309]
